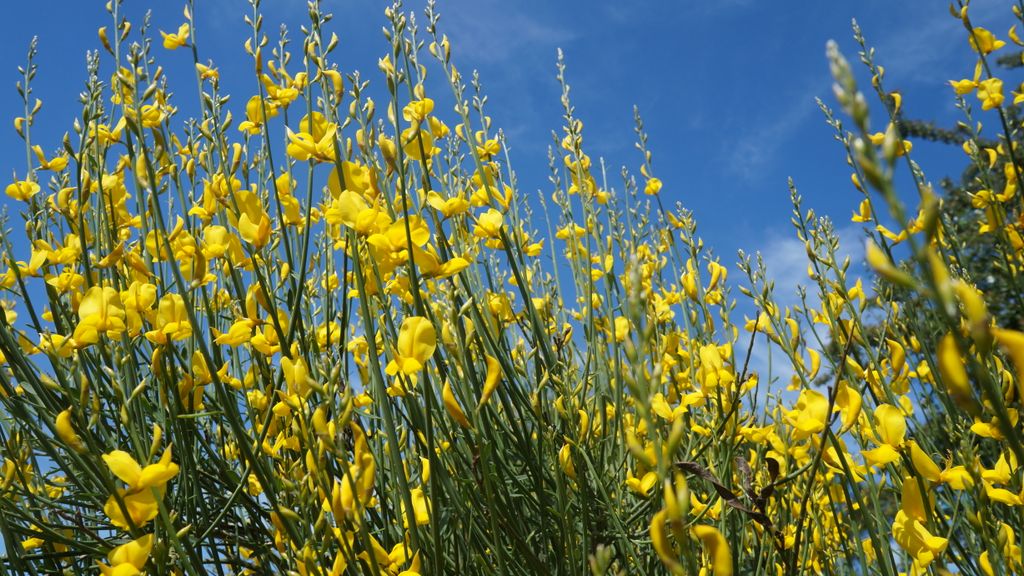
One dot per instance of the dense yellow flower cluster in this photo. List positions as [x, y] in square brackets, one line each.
[368, 360]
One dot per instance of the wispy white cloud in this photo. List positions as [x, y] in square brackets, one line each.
[785, 262]
[785, 259]
[492, 31]
[918, 53]
[753, 149]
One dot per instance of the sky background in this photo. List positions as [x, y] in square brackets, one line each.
[726, 88]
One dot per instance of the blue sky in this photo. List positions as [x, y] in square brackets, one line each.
[726, 88]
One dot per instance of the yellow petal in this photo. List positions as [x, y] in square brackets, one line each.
[123, 466]
[134, 553]
[716, 548]
[954, 375]
[892, 427]
[493, 377]
[160, 473]
[923, 464]
[452, 405]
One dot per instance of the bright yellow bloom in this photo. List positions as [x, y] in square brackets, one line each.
[253, 221]
[420, 507]
[56, 164]
[716, 548]
[66, 431]
[565, 461]
[488, 224]
[314, 141]
[983, 41]
[451, 404]
[652, 186]
[129, 558]
[809, 415]
[954, 375]
[962, 87]
[642, 485]
[22, 190]
[493, 377]
[923, 463]
[909, 531]
[891, 428]
[99, 312]
[351, 210]
[447, 206]
[178, 39]
[663, 545]
[418, 144]
[356, 177]
[1013, 343]
[417, 340]
[296, 375]
[621, 328]
[145, 488]
[990, 92]
[254, 114]
[417, 110]
[172, 323]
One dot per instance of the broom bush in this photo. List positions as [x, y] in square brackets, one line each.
[307, 332]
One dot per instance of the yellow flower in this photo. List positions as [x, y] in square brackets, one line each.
[652, 187]
[177, 39]
[172, 322]
[447, 206]
[417, 340]
[863, 213]
[356, 177]
[66, 431]
[1012, 342]
[909, 531]
[355, 490]
[56, 164]
[488, 224]
[641, 486]
[486, 148]
[216, 241]
[990, 92]
[923, 463]
[452, 405]
[418, 144]
[716, 548]
[417, 110]
[965, 86]
[253, 222]
[314, 141]
[128, 559]
[351, 210]
[663, 545]
[296, 375]
[22, 190]
[100, 311]
[954, 375]
[713, 371]
[565, 461]
[491, 382]
[145, 488]
[621, 328]
[891, 428]
[984, 42]
[420, 508]
[207, 72]
[138, 301]
[809, 415]
[255, 119]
